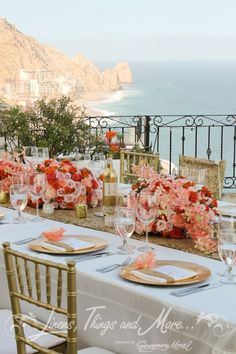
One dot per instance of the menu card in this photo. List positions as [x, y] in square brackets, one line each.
[69, 244]
[164, 274]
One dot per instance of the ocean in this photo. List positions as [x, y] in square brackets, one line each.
[175, 88]
[180, 88]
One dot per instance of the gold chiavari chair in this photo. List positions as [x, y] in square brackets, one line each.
[130, 158]
[27, 278]
[214, 172]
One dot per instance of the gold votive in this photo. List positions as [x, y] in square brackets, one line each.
[81, 211]
[4, 197]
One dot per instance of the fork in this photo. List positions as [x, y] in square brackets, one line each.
[114, 266]
[26, 240]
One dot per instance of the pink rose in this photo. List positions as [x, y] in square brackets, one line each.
[87, 182]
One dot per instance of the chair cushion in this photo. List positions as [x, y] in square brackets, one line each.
[7, 330]
[94, 350]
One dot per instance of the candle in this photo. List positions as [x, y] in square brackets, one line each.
[81, 211]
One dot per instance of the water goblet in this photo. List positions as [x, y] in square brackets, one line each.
[196, 175]
[20, 178]
[224, 211]
[37, 187]
[124, 222]
[30, 154]
[98, 164]
[18, 198]
[43, 154]
[146, 213]
[86, 156]
[227, 245]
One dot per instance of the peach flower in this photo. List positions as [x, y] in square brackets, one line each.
[145, 260]
[54, 234]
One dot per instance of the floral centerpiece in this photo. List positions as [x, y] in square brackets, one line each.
[9, 165]
[69, 185]
[183, 210]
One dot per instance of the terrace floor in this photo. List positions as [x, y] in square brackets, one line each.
[229, 197]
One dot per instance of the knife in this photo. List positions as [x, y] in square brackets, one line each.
[90, 256]
[195, 289]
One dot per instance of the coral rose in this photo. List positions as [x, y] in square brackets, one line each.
[145, 260]
[54, 234]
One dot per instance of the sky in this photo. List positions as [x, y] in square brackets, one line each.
[133, 30]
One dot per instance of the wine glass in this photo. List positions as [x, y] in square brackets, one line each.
[146, 213]
[86, 157]
[227, 245]
[98, 165]
[43, 154]
[196, 175]
[37, 187]
[83, 160]
[124, 222]
[30, 154]
[18, 198]
[20, 178]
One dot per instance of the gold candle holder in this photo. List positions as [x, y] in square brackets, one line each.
[81, 211]
[4, 197]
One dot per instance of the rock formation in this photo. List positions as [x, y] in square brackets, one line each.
[20, 51]
[124, 73]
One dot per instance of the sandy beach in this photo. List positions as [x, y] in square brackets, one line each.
[89, 98]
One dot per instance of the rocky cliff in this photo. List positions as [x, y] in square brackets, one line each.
[20, 51]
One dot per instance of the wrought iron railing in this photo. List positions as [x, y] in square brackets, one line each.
[205, 136]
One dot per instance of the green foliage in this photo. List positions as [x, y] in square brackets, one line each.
[56, 124]
[14, 125]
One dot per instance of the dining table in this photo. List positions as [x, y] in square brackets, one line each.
[128, 317]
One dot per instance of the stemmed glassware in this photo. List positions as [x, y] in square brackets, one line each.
[86, 157]
[227, 245]
[124, 222]
[196, 175]
[37, 187]
[43, 154]
[98, 165]
[31, 154]
[83, 160]
[146, 213]
[18, 196]
[34, 155]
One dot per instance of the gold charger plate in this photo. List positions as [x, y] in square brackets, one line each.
[99, 244]
[202, 273]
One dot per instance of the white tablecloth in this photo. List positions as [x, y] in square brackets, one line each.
[130, 318]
